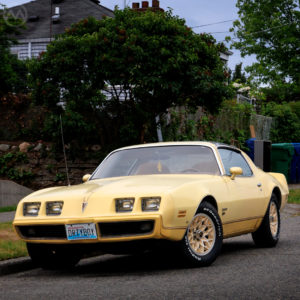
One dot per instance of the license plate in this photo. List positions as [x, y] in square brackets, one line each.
[81, 231]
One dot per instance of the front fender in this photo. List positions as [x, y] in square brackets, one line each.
[186, 200]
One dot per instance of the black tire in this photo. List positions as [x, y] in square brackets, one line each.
[267, 235]
[53, 257]
[206, 216]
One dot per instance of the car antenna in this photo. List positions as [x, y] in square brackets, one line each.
[64, 150]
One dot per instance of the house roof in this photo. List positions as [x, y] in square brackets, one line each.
[71, 11]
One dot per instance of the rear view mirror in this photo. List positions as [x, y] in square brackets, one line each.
[86, 177]
[234, 171]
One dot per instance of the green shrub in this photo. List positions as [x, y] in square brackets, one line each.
[295, 106]
[286, 126]
[180, 128]
[9, 167]
[230, 125]
[60, 177]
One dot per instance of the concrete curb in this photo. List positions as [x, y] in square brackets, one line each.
[15, 265]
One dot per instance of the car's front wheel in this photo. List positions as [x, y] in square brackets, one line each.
[267, 235]
[204, 236]
[50, 256]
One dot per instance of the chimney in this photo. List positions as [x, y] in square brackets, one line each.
[155, 3]
[145, 4]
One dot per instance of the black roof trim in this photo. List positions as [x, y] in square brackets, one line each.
[223, 145]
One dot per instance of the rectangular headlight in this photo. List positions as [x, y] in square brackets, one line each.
[54, 208]
[124, 204]
[31, 208]
[150, 203]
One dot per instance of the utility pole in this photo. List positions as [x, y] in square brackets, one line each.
[124, 4]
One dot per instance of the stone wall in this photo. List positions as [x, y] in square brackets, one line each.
[48, 168]
[50, 172]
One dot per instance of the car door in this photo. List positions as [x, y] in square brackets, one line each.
[244, 204]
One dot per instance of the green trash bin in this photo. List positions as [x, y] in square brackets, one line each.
[281, 158]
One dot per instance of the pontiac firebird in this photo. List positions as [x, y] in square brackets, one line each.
[191, 194]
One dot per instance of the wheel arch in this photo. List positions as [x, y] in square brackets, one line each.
[277, 192]
[209, 199]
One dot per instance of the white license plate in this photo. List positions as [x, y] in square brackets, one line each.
[85, 231]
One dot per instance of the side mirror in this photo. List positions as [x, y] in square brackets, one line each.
[86, 177]
[234, 171]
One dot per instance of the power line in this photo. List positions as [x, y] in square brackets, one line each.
[264, 30]
[204, 25]
[218, 32]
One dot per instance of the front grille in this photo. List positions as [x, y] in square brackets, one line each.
[43, 231]
[125, 228]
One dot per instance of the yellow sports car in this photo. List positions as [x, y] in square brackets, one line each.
[190, 195]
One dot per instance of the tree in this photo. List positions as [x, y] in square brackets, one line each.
[146, 63]
[270, 30]
[286, 124]
[238, 74]
[12, 71]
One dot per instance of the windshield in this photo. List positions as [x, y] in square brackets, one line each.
[159, 160]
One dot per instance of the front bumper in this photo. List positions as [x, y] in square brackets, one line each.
[117, 229]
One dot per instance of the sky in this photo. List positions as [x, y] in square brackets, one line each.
[196, 13]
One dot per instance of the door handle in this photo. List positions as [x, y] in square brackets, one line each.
[259, 184]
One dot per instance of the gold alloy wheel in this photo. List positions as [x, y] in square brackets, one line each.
[273, 217]
[202, 234]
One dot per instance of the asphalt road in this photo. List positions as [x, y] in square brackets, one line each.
[240, 272]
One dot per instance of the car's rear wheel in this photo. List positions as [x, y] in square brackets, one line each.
[204, 236]
[267, 235]
[50, 256]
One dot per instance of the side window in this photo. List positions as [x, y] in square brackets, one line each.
[234, 159]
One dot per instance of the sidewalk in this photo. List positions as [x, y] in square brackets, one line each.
[7, 216]
[292, 209]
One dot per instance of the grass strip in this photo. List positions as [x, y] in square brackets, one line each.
[8, 208]
[294, 196]
[10, 245]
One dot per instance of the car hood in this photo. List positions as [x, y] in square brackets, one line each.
[123, 186]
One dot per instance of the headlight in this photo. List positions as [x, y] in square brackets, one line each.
[124, 204]
[54, 208]
[150, 203]
[31, 208]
